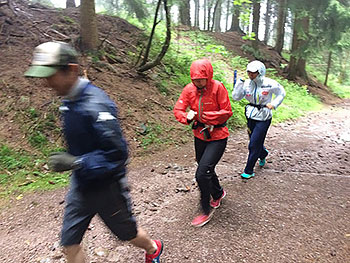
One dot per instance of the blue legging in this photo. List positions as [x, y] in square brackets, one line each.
[257, 133]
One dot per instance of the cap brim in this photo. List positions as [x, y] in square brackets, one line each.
[40, 71]
[252, 69]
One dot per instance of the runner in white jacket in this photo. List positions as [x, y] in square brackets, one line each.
[258, 91]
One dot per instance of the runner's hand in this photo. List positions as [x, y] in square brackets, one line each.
[270, 106]
[191, 114]
[62, 161]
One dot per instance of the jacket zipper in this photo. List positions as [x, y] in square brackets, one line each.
[256, 86]
[199, 106]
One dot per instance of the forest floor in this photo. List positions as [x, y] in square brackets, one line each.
[296, 209]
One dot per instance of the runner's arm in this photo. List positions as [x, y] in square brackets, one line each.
[238, 92]
[280, 93]
[112, 153]
[181, 107]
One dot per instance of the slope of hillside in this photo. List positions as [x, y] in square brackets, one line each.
[28, 107]
[26, 102]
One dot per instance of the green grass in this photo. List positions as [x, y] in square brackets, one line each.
[156, 134]
[22, 172]
[341, 90]
[297, 102]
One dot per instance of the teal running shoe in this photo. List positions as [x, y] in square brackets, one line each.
[262, 162]
[247, 176]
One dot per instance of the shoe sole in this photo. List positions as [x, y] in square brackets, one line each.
[220, 201]
[246, 178]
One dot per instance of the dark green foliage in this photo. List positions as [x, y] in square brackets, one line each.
[138, 8]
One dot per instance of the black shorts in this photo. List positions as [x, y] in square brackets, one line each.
[112, 203]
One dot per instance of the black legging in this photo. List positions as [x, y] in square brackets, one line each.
[208, 154]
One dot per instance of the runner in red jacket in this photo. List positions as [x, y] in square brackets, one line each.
[210, 108]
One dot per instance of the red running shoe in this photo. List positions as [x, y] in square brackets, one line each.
[202, 219]
[154, 258]
[216, 203]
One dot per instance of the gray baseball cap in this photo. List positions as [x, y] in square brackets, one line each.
[49, 57]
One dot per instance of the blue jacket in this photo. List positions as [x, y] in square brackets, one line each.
[93, 133]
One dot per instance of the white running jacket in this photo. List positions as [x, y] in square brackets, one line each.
[259, 92]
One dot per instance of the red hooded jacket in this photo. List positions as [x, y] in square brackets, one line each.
[212, 103]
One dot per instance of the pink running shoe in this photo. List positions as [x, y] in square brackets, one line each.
[216, 203]
[154, 258]
[202, 219]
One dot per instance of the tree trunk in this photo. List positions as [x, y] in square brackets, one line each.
[297, 61]
[210, 5]
[157, 60]
[88, 25]
[70, 3]
[235, 27]
[267, 21]
[281, 20]
[328, 67]
[205, 14]
[185, 16]
[196, 13]
[149, 44]
[217, 17]
[228, 11]
[256, 21]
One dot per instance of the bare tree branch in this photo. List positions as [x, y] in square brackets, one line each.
[155, 23]
[166, 44]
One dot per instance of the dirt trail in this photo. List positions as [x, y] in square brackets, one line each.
[297, 209]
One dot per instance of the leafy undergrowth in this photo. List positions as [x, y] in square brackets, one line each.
[341, 90]
[21, 172]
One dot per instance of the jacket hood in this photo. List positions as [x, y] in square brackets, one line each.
[201, 69]
[255, 66]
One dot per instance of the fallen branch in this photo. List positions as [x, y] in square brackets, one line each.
[44, 10]
[58, 33]
[126, 42]
[11, 7]
[160, 104]
[11, 35]
[107, 35]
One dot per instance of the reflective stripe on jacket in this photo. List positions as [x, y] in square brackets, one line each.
[93, 133]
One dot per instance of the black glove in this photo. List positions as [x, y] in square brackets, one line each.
[62, 161]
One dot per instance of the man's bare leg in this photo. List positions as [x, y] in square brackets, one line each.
[74, 254]
[142, 240]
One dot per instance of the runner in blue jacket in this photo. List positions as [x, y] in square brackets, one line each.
[97, 155]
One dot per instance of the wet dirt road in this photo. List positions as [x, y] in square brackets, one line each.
[296, 209]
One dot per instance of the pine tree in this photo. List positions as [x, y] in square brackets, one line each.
[184, 10]
[70, 3]
[256, 20]
[88, 25]
[281, 20]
